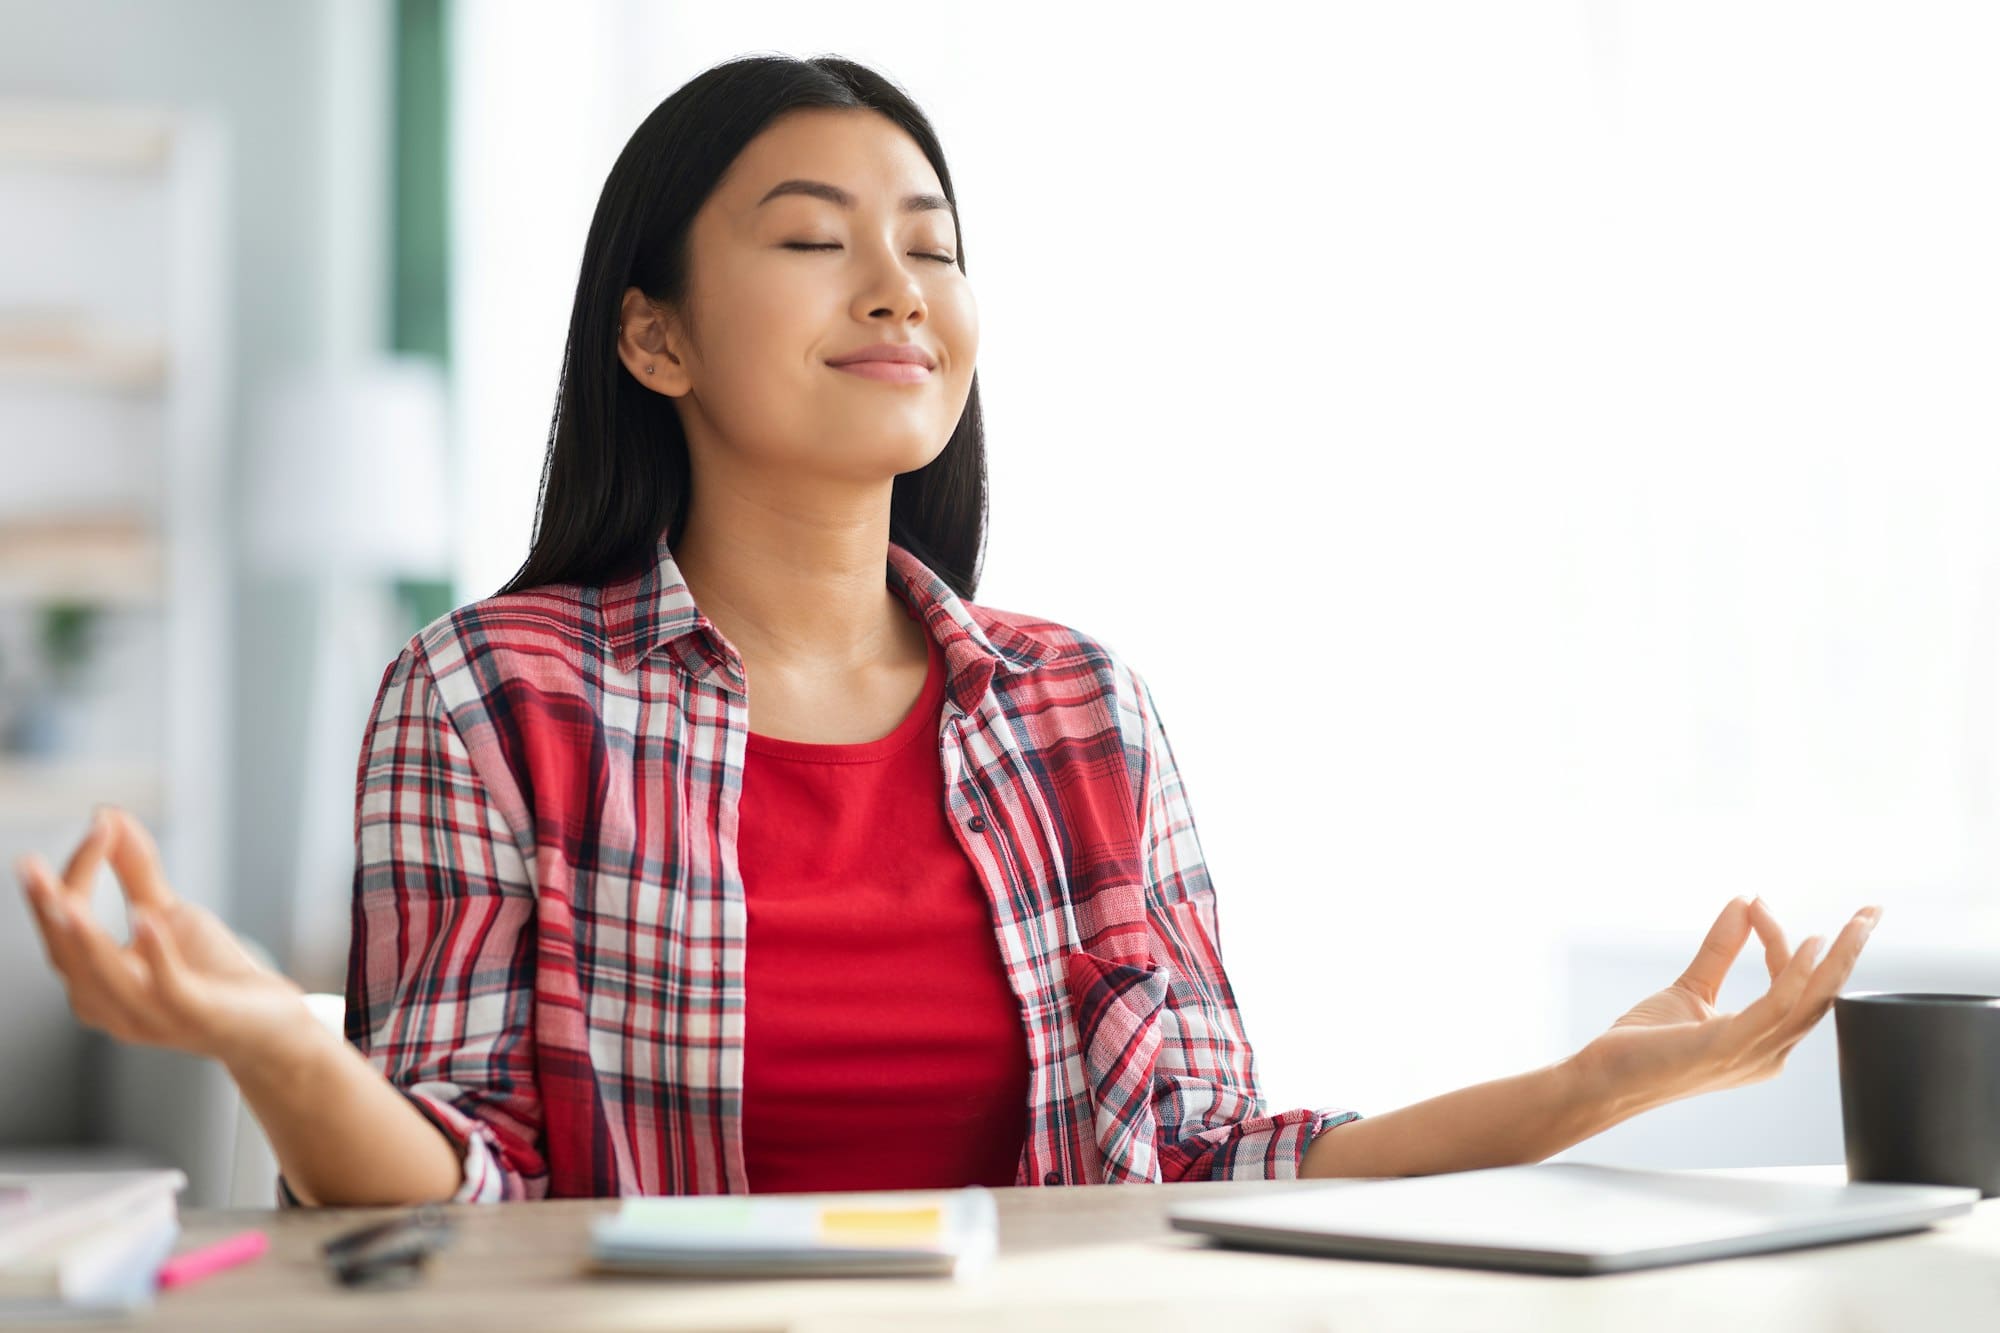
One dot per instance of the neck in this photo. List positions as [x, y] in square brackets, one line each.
[796, 586]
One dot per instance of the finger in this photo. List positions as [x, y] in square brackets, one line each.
[106, 980]
[46, 907]
[1776, 952]
[79, 875]
[1718, 951]
[1763, 1016]
[136, 859]
[172, 982]
[1830, 975]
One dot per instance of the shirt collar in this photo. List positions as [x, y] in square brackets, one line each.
[654, 609]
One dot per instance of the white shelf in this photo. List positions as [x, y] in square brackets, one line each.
[47, 343]
[62, 134]
[138, 367]
[112, 563]
[38, 791]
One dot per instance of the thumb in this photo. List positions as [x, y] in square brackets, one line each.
[1718, 950]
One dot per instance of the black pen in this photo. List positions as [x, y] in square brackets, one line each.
[394, 1250]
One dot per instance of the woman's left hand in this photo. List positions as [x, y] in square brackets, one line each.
[1674, 1044]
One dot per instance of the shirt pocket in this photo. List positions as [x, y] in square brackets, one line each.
[1118, 1009]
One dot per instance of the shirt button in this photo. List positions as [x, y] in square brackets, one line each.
[977, 823]
[1052, 1178]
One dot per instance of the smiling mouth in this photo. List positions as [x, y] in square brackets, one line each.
[888, 372]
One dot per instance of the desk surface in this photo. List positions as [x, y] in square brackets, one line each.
[1097, 1257]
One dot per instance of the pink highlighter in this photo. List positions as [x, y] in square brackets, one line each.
[226, 1253]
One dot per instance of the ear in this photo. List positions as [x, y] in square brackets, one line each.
[647, 344]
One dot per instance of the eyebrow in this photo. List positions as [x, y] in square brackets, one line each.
[912, 203]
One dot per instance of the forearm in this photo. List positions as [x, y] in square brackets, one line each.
[1506, 1122]
[340, 1132]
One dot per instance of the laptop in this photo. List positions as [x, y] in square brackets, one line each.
[1566, 1217]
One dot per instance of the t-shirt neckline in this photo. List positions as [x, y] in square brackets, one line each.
[864, 752]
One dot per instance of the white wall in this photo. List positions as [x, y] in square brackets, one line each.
[1541, 455]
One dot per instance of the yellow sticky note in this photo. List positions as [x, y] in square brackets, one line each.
[880, 1226]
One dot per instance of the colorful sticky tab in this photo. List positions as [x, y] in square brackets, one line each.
[881, 1226]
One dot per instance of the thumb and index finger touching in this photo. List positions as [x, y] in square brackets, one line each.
[114, 837]
[77, 945]
[135, 859]
[1733, 928]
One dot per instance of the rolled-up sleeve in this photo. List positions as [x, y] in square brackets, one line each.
[441, 966]
[1213, 1121]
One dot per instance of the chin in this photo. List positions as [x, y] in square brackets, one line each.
[899, 455]
[918, 459]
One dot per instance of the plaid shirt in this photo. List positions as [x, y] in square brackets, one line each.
[549, 923]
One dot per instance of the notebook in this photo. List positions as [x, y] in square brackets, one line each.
[1567, 1217]
[944, 1233]
[84, 1242]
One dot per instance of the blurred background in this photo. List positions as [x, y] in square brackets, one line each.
[1542, 456]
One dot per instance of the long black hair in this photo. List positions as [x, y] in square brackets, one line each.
[616, 474]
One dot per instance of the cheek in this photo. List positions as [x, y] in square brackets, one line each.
[757, 337]
[770, 311]
[956, 315]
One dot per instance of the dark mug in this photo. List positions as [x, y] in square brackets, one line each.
[1920, 1087]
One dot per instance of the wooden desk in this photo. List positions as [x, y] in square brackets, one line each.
[1096, 1257]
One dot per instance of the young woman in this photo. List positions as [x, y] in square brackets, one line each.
[732, 846]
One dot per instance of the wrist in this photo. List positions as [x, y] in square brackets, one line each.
[1604, 1086]
[279, 1052]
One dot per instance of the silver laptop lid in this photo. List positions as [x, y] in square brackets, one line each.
[1567, 1217]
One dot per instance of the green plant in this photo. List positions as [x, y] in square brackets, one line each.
[66, 636]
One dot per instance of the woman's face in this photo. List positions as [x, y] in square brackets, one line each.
[754, 384]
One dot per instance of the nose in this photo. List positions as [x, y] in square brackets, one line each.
[895, 290]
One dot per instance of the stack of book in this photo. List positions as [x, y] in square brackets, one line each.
[80, 1242]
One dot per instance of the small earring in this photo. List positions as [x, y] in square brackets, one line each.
[649, 370]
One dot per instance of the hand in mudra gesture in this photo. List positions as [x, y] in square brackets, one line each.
[1675, 1044]
[184, 982]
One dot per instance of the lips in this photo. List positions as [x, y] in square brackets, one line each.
[887, 372]
[892, 353]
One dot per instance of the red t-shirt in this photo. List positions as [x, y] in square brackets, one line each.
[883, 1047]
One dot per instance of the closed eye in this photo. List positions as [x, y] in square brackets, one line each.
[835, 245]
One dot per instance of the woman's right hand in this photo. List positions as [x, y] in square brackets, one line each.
[185, 982]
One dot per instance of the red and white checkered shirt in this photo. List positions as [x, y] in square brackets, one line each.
[549, 921]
